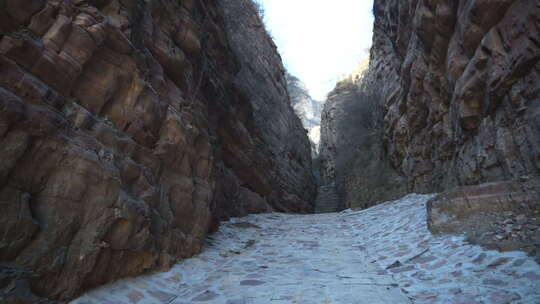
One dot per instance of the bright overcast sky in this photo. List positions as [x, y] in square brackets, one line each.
[320, 40]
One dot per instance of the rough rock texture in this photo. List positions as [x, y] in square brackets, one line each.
[353, 162]
[460, 84]
[499, 215]
[264, 142]
[461, 89]
[308, 109]
[127, 128]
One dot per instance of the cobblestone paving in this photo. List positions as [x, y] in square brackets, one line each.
[381, 255]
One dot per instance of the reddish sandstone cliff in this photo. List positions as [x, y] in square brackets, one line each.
[128, 127]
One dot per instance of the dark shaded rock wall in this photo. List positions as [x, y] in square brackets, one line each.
[264, 142]
[460, 84]
[127, 129]
[353, 161]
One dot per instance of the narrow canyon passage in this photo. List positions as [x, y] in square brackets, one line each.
[347, 257]
[130, 130]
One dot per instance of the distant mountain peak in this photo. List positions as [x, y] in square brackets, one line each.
[308, 109]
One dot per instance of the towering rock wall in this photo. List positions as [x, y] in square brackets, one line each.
[460, 85]
[462, 89]
[128, 128]
[264, 143]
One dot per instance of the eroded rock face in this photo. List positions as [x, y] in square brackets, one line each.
[127, 129]
[460, 84]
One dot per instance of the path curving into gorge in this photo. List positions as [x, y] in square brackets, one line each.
[347, 257]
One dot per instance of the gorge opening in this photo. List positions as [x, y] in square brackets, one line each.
[150, 152]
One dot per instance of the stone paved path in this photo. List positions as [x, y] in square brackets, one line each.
[381, 255]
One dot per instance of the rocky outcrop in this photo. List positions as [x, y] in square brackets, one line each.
[459, 83]
[501, 215]
[307, 108]
[127, 129]
[353, 161]
[448, 211]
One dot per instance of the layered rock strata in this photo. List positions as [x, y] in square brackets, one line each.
[461, 89]
[127, 129]
[309, 112]
[460, 84]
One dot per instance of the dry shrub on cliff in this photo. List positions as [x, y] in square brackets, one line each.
[261, 11]
[363, 124]
[368, 109]
[364, 116]
[260, 8]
